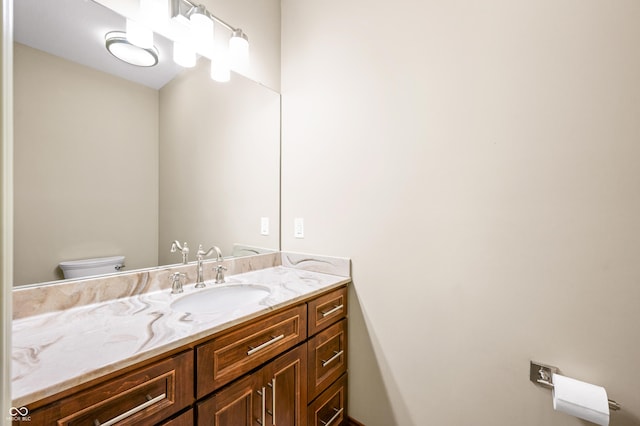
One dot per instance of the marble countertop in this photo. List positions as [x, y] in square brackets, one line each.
[55, 351]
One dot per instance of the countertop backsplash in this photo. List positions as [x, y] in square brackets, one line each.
[61, 295]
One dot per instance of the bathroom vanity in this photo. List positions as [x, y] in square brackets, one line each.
[280, 361]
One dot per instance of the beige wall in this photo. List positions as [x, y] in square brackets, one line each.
[478, 161]
[219, 157]
[86, 159]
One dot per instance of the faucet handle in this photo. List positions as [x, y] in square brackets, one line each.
[176, 282]
[218, 269]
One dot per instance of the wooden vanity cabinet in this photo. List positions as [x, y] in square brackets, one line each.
[273, 395]
[285, 368]
[306, 385]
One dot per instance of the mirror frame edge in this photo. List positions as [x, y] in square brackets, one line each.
[6, 178]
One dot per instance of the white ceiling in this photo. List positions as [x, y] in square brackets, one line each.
[75, 30]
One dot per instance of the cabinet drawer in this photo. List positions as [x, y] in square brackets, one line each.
[144, 396]
[330, 408]
[231, 355]
[327, 309]
[327, 358]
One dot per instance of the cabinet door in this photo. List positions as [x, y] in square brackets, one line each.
[238, 404]
[286, 397]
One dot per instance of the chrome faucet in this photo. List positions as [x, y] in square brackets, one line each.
[219, 269]
[176, 282]
[175, 246]
[200, 255]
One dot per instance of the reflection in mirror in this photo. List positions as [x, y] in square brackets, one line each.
[106, 166]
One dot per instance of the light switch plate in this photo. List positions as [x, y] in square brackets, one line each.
[298, 227]
[264, 226]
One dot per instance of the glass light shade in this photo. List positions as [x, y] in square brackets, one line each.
[220, 71]
[184, 54]
[239, 51]
[202, 30]
[139, 35]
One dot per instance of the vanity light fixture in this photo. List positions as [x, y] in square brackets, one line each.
[184, 54]
[139, 35]
[119, 46]
[201, 29]
[201, 23]
[239, 50]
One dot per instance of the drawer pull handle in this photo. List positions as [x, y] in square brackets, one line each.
[134, 410]
[253, 350]
[262, 419]
[333, 358]
[336, 308]
[335, 416]
[272, 413]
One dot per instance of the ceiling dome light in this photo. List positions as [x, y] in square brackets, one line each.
[239, 51]
[119, 46]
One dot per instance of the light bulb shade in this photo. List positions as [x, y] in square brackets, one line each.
[184, 54]
[201, 29]
[239, 51]
[139, 35]
[220, 71]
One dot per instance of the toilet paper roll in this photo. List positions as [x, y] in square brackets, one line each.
[580, 399]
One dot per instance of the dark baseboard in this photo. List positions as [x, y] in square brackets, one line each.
[353, 422]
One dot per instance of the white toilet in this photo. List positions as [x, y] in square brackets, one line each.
[87, 267]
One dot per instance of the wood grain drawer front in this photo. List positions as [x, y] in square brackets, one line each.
[327, 358]
[330, 408]
[327, 309]
[229, 356]
[144, 396]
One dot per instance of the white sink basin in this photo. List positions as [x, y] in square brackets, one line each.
[220, 298]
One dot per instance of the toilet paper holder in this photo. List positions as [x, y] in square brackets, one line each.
[541, 375]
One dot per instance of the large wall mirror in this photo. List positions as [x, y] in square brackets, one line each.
[112, 159]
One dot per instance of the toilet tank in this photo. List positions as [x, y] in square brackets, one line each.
[96, 266]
